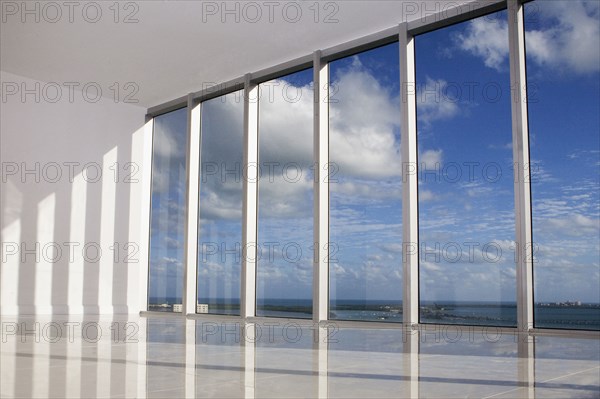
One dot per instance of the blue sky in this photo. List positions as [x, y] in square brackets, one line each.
[464, 125]
[564, 67]
[466, 199]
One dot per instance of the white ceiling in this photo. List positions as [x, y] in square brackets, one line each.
[174, 48]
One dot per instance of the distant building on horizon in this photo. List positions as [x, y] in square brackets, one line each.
[202, 308]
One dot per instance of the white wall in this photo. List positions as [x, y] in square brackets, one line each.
[43, 211]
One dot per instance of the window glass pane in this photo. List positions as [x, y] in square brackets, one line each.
[365, 182]
[563, 72]
[165, 281]
[220, 228]
[285, 197]
[466, 189]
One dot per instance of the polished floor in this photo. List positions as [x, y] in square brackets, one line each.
[171, 357]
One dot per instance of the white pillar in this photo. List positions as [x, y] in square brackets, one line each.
[520, 131]
[408, 132]
[321, 189]
[250, 197]
[191, 222]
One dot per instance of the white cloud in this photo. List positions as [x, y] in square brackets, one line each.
[426, 195]
[285, 125]
[392, 247]
[365, 145]
[433, 103]
[573, 39]
[478, 190]
[284, 199]
[285, 137]
[337, 269]
[567, 37]
[486, 38]
[575, 225]
[430, 266]
[172, 242]
[365, 121]
[221, 173]
[367, 192]
[431, 159]
[506, 146]
[221, 204]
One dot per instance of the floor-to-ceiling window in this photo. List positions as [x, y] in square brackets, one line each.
[165, 279]
[466, 189]
[365, 183]
[285, 197]
[466, 184]
[563, 72]
[220, 208]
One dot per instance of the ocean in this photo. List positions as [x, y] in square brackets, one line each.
[557, 316]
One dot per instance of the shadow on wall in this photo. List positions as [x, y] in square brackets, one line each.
[73, 201]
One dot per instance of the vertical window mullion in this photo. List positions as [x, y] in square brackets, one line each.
[321, 189]
[250, 193]
[408, 132]
[144, 296]
[191, 237]
[520, 132]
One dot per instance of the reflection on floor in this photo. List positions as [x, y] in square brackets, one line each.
[170, 357]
